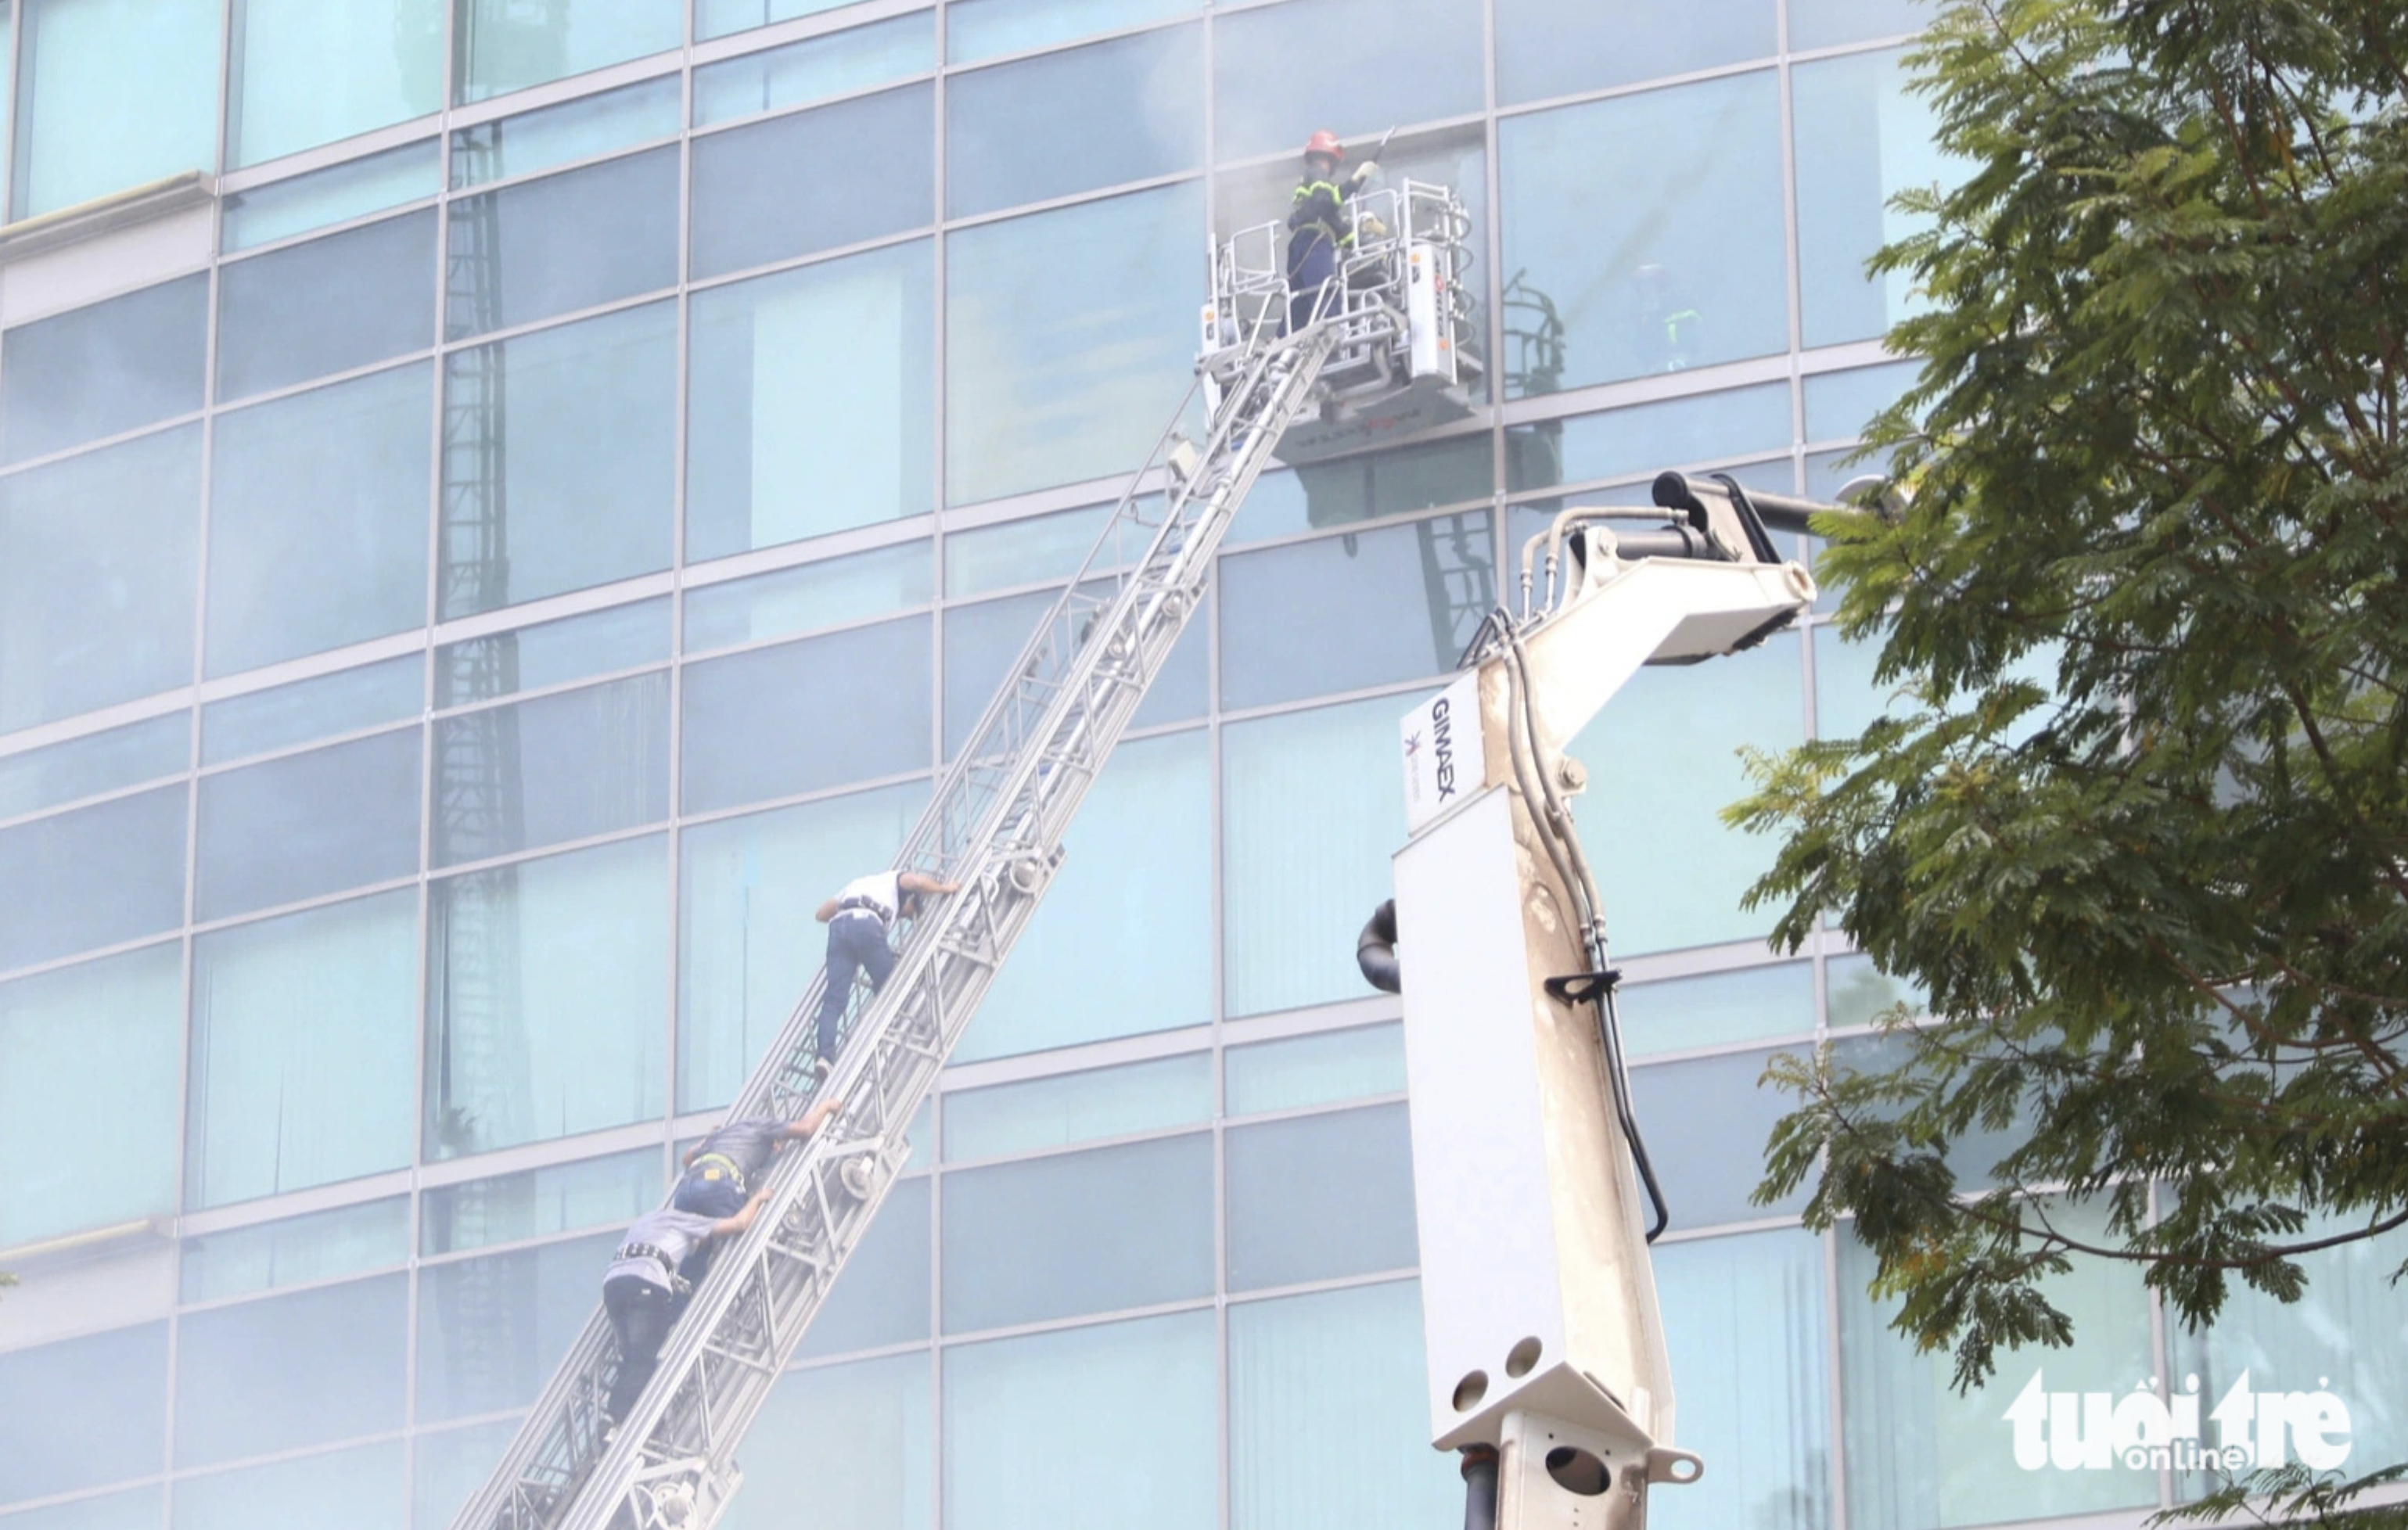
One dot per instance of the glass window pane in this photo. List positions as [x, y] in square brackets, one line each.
[450, 1465]
[985, 29]
[559, 767]
[1838, 405]
[574, 130]
[1398, 481]
[95, 763]
[1326, 1426]
[1857, 993]
[1018, 1118]
[874, 1415]
[567, 241]
[1123, 941]
[545, 985]
[556, 1199]
[318, 520]
[1602, 234]
[492, 1328]
[503, 45]
[1025, 132]
[1079, 1232]
[747, 945]
[1311, 808]
[1356, 66]
[1140, 1398]
[815, 68]
[1678, 872]
[1347, 612]
[1306, 1070]
[874, 174]
[136, 1509]
[346, 701]
[290, 1371]
[307, 73]
[552, 652]
[303, 1031]
[104, 370]
[559, 475]
[1919, 1454]
[881, 1297]
[718, 18]
[94, 877]
[1646, 439]
[982, 642]
[764, 724]
[1862, 138]
[116, 94]
[1550, 48]
[85, 1412]
[813, 402]
[1685, 1014]
[1822, 23]
[807, 598]
[1315, 1198]
[1706, 1122]
[336, 195]
[363, 1488]
[326, 305]
[1068, 340]
[103, 1038]
[1018, 552]
[307, 824]
[297, 1251]
[1744, 1320]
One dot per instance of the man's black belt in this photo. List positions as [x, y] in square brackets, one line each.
[645, 1250]
[861, 906]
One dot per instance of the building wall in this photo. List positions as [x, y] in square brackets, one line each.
[468, 594]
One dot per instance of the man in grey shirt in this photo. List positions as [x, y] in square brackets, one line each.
[643, 1294]
[722, 1169]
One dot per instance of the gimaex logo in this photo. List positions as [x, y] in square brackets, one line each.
[1442, 742]
[2077, 1430]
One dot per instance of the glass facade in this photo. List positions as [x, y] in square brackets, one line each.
[455, 629]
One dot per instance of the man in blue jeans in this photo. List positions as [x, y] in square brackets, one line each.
[859, 919]
[643, 1294]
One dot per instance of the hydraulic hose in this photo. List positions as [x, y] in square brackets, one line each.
[1375, 949]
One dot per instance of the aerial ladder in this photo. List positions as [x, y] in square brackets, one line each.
[1394, 326]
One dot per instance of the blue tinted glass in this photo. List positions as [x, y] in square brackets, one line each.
[336, 195]
[361, 1488]
[1820, 23]
[881, 1297]
[813, 402]
[873, 1415]
[1601, 236]
[308, 824]
[1862, 138]
[1685, 1014]
[982, 642]
[873, 174]
[1857, 993]
[567, 241]
[1706, 1121]
[502, 46]
[574, 130]
[98, 762]
[84, 1412]
[815, 68]
[106, 105]
[105, 369]
[326, 305]
[1315, 1198]
[318, 520]
[818, 594]
[289, 1371]
[1838, 405]
[449, 1466]
[566, 767]
[297, 1251]
[307, 73]
[1325, 1069]
[556, 1199]
[491, 1328]
[1025, 132]
[1550, 48]
[346, 701]
[94, 877]
[552, 652]
[853, 705]
[1068, 1108]
[1644, 439]
[984, 29]
[1394, 483]
[718, 18]
[1355, 66]
[136, 1509]
[1019, 552]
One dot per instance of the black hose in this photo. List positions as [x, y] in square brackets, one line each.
[1480, 1487]
[1375, 949]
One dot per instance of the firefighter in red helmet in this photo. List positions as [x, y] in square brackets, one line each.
[1319, 231]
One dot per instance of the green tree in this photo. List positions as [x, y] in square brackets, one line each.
[2159, 904]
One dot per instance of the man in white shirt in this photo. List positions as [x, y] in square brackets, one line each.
[859, 919]
[642, 1292]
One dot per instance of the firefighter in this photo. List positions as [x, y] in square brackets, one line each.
[723, 1170]
[859, 919]
[1319, 231]
[643, 1293]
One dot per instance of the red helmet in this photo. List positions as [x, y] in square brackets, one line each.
[1325, 142]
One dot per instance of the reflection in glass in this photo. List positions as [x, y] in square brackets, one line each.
[1315, 1198]
[1687, 1014]
[1822, 23]
[95, 763]
[815, 68]
[1068, 340]
[326, 305]
[1140, 1396]
[813, 402]
[985, 29]
[105, 369]
[84, 1412]
[318, 520]
[1706, 1121]
[1862, 138]
[1398, 481]
[346, 701]
[307, 824]
[1838, 405]
[874, 167]
[873, 1415]
[503, 45]
[286, 1372]
[583, 128]
[573, 765]
[295, 1251]
[335, 194]
[1017, 552]
[747, 945]
[361, 1488]
[982, 642]
[1325, 1069]
[718, 18]
[492, 1327]
[1325, 1422]
[532, 1202]
[545, 982]
[448, 1466]
[555, 652]
[1025, 132]
[1550, 48]
[1079, 1232]
[108, 105]
[80, 1044]
[568, 241]
[303, 1034]
[557, 461]
[1644, 439]
[307, 73]
[852, 705]
[881, 1297]
[94, 877]
[1355, 66]
[806, 598]
[1604, 236]
[1006, 1119]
